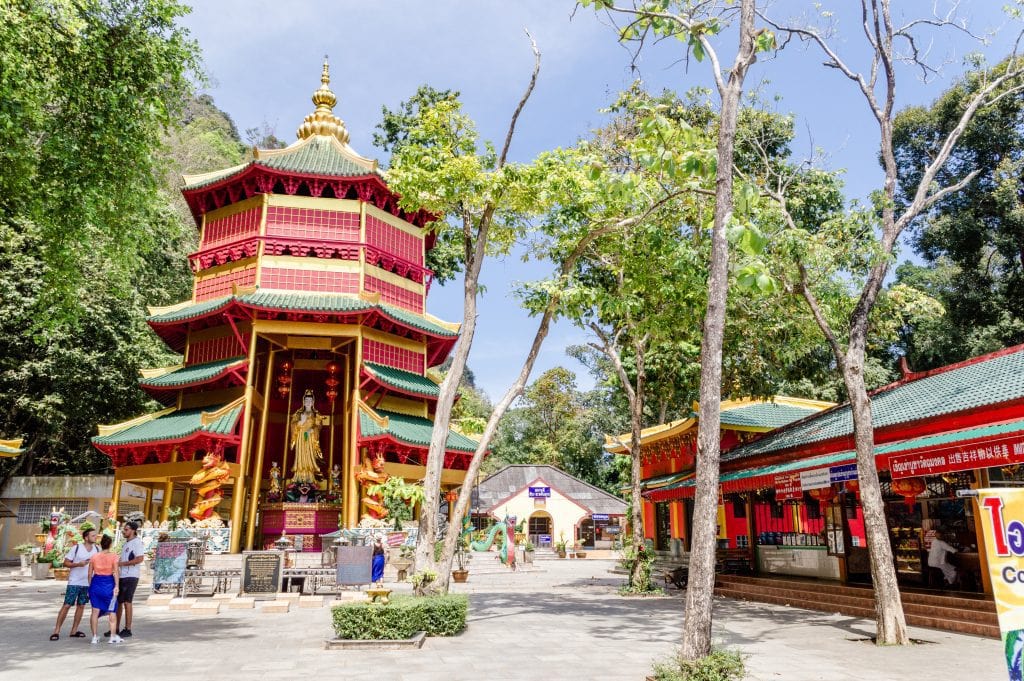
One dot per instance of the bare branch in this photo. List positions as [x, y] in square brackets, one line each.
[819, 316]
[522, 102]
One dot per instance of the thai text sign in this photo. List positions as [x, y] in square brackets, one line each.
[958, 459]
[1002, 519]
[815, 479]
[540, 492]
[787, 486]
[354, 565]
[842, 473]
[261, 573]
[599, 516]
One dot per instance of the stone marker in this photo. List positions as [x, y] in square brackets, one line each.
[275, 606]
[241, 603]
[181, 603]
[160, 599]
[205, 607]
[311, 602]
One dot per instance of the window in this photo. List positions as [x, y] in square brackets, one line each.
[739, 508]
[813, 510]
[742, 541]
[30, 510]
[776, 509]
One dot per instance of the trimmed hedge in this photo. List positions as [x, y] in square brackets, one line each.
[442, 615]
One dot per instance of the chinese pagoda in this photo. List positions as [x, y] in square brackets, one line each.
[306, 348]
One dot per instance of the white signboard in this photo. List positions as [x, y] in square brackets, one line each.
[815, 479]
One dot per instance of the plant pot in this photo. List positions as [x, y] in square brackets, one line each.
[40, 570]
[41, 538]
[581, 554]
[26, 560]
[61, 574]
[460, 576]
[561, 554]
[528, 557]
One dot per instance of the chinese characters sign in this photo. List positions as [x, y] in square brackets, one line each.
[959, 459]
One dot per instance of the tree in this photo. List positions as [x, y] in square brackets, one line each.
[890, 216]
[971, 240]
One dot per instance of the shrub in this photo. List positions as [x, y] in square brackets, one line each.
[441, 615]
[720, 665]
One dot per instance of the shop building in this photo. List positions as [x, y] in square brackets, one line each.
[555, 505]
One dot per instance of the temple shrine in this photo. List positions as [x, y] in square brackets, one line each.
[307, 349]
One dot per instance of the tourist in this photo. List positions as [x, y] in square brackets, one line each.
[937, 557]
[77, 592]
[132, 555]
[103, 583]
[378, 561]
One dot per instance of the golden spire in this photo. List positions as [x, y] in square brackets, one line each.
[323, 121]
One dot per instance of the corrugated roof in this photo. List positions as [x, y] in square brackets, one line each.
[513, 478]
[317, 155]
[403, 380]
[198, 373]
[764, 415]
[413, 430]
[174, 426]
[962, 387]
[309, 302]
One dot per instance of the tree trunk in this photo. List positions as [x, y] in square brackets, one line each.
[697, 625]
[636, 407]
[891, 623]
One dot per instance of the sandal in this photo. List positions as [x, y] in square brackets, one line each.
[77, 634]
[54, 637]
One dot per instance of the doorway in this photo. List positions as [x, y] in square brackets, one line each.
[539, 529]
[662, 526]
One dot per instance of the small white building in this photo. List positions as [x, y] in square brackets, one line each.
[554, 504]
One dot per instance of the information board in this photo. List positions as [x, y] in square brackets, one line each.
[261, 573]
[540, 492]
[354, 565]
[169, 560]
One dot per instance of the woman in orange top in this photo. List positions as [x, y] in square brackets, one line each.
[103, 584]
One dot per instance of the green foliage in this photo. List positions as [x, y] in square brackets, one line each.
[720, 665]
[399, 498]
[631, 555]
[441, 615]
[24, 549]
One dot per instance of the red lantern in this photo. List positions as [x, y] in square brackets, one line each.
[823, 495]
[332, 380]
[452, 495]
[854, 487]
[284, 379]
[909, 488]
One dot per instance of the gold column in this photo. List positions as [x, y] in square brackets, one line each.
[168, 491]
[352, 464]
[147, 508]
[238, 493]
[346, 469]
[186, 501]
[287, 427]
[982, 481]
[261, 448]
[115, 497]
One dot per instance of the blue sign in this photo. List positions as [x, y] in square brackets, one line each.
[540, 492]
[599, 516]
[842, 473]
[544, 539]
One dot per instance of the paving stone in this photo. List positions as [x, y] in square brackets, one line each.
[241, 603]
[160, 599]
[289, 596]
[223, 597]
[311, 602]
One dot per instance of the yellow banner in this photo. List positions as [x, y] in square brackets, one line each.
[1002, 517]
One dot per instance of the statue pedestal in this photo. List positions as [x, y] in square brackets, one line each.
[308, 521]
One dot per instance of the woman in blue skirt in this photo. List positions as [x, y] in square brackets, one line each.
[103, 584]
[378, 561]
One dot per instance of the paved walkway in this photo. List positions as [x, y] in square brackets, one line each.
[562, 621]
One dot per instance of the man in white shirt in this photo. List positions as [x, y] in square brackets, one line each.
[132, 555]
[937, 557]
[77, 591]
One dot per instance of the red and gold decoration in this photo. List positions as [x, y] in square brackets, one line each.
[332, 381]
[823, 495]
[909, 489]
[207, 482]
[284, 378]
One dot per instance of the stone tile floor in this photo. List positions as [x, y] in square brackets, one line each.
[561, 621]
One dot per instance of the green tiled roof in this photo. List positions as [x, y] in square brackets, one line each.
[311, 302]
[764, 415]
[321, 155]
[989, 381]
[174, 426]
[412, 430]
[198, 373]
[403, 380]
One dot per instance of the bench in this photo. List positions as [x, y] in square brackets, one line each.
[734, 562]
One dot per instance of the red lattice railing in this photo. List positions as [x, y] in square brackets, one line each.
[220, 285]
[389, 355]
[213, 349]
[392, 240]
[312, 223]
[395, 295]
[291, 279]
[231, 228]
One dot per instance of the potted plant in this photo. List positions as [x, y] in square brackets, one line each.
[45, 561]
[528, 552]
[578, 549]
[461, 573]
[560, 547]
[25, 554]
[403, 562]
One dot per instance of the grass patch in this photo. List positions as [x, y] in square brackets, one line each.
[627, 590]
[720, 665]
[441, 615]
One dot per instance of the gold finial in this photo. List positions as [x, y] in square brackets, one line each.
[323, 121]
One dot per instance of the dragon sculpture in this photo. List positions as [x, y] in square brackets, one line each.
[372, 473]
[207, 483]
[499, 530]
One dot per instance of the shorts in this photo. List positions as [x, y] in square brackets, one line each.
[76, 595]
[126, 589]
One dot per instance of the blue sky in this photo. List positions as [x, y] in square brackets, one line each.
[263, 58]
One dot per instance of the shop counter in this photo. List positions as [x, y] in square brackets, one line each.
[797, 561]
